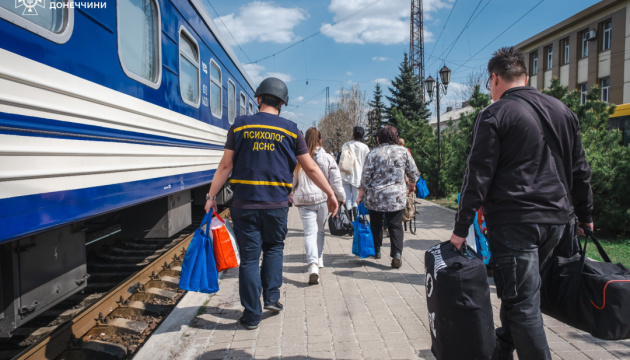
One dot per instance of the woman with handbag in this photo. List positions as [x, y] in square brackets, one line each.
[311, 202]
[385, 189]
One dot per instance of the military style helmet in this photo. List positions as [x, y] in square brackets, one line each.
[273, 86]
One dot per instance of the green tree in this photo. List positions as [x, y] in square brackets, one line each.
[381, 111]
[608, 158]
[422, 143]
[457, 142]
[406, 97]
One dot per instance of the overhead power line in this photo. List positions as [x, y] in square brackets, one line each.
[452, 45]
[503, 32]
[228, 30]
[443, 27]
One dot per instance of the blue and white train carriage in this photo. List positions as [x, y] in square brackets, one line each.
[104, 105]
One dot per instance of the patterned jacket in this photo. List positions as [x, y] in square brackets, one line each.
[383, 177]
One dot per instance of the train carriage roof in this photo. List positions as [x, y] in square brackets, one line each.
[228, 49]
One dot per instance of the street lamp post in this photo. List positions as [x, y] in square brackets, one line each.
[430, 83]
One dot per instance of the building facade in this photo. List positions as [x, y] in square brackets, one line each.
[590, 48]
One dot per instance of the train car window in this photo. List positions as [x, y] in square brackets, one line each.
[251, 108]
[54, 23]
[216, 98]
[139, 42]
[231, 102]
[188, 68]
[243, 105]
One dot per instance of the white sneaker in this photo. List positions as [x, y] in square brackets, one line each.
[313, 274]
[320, 262]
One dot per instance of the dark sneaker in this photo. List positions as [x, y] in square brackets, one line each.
[396, 261]
[377, 254]
[277, 306]
[249, 325]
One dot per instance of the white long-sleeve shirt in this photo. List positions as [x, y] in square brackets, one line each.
[360, 151]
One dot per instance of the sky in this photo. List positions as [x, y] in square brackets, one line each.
[338, 43]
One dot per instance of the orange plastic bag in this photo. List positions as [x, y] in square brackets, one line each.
[224, 244]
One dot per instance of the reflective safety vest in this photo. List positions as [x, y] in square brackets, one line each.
[264, 157]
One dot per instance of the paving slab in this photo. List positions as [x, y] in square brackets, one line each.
[362, 309]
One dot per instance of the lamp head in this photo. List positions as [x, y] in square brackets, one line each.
[429, 85]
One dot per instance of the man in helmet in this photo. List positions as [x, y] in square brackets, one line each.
[261, 153]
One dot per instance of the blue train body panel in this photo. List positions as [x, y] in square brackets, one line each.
[79, 138]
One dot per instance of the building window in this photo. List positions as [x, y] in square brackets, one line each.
[251, 108]
[216, 94]
[534, 63]
[231, 102]
[548, 57]
[583, 93]
[188, 68]
[564, 47]
[243, 105]
[605, 85]
[584, 38]
[607, 27]
[139, 40]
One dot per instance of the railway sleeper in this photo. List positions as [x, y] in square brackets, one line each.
[117, 327]
[164, 282]
[114, 267]
[121, 251]
[128, 259]
[155, 295]
[108, 276]
[96, 350]
[139, 308]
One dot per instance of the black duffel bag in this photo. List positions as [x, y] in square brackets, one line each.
[590, 295]
[341, 224]
[458, 303]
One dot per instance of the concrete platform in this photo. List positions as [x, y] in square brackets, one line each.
[362, 309]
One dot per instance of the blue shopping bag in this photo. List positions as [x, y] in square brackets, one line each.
[362, 242]
[199, 270]
[423, 190]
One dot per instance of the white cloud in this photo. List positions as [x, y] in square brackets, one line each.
[379, 58]
[349, 73]
[382, 82]
[299, 99]
[384, 22]
[263, 22]
[257, 73]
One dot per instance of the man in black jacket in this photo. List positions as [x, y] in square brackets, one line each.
[512, 174]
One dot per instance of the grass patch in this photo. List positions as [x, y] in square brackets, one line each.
[618, 250]
[202, 308]
[449, 201]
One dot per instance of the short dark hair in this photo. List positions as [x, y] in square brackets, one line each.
[508, 63]
[271, 100]
[387, 135]
[358, 132]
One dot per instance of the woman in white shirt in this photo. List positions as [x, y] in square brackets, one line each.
[352, 179]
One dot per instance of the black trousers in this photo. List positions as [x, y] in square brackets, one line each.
[519, 251]
[394, 226]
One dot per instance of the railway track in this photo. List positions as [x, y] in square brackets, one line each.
[132, 287]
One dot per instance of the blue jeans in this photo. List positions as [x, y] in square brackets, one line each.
[259, 231]
[519, 251]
